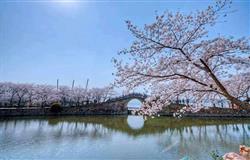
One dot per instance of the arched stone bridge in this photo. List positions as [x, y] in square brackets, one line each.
[117, 105]
[128, 97]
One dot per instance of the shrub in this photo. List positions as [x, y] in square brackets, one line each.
[215, 155]
[55, 107]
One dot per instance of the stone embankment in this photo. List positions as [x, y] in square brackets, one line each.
[104, 109]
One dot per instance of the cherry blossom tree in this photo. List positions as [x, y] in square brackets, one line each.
[79, 95]
[31, 95]
[175, 57]
[65, 95]
[9, 93]
[46, 94]
[21, 94]
[26, 95]
[3, 94]
[241, 86]
[101, 94]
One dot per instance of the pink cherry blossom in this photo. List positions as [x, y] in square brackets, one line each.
[173, 58]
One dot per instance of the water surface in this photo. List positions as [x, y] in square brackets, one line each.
[119, 137]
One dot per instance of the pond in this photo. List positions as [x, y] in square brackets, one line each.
[119, 137]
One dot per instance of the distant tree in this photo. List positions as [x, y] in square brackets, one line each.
[3, 97]
[101, 94]
[78, 95]
[22, 91]
[44, 95]
[175, 58]
[65, 94]
[11, 91]
[31, 95]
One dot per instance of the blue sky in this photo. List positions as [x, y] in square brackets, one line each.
[41, 41]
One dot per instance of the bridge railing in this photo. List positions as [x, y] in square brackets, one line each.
[128, 96]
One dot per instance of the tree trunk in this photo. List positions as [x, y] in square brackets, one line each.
[239, 103]
[19, 102]
[233, 100]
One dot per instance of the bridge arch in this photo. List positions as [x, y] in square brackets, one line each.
[119, 104]
[134, 104]
[127, 99]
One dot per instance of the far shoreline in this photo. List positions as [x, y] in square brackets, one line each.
[101, 110]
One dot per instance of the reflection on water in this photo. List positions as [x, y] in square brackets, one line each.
[119, 137]
[135, 122]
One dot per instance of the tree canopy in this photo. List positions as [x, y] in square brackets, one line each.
[176, 57]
